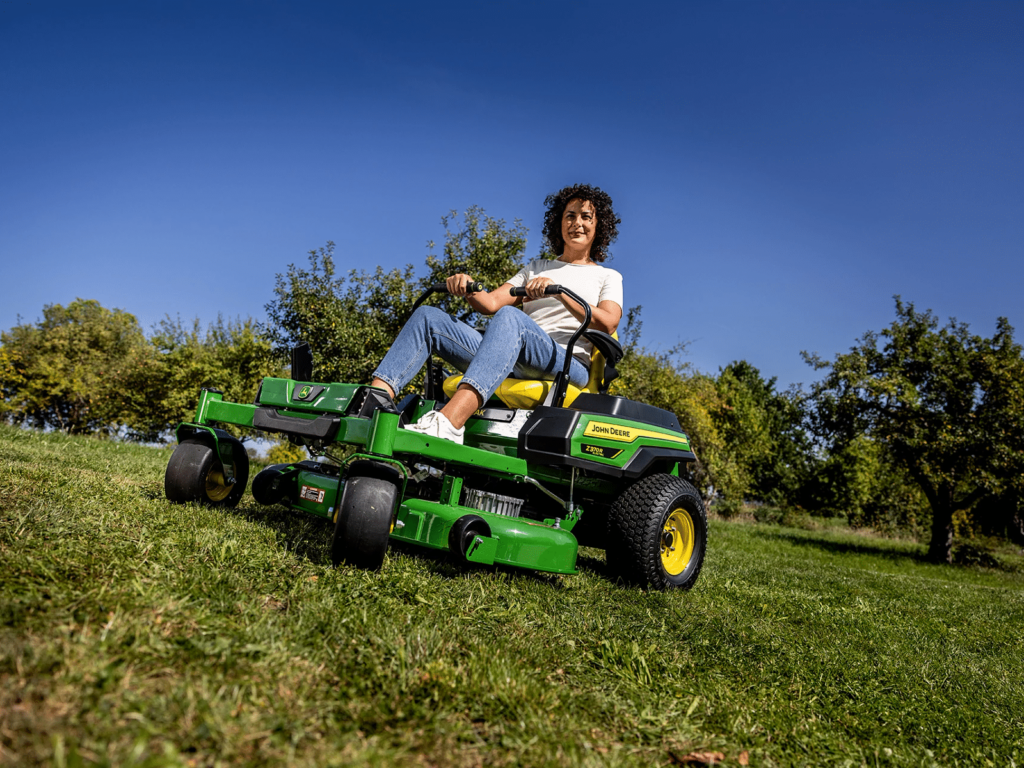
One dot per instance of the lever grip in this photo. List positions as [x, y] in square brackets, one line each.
[551, 290]
[474, 287]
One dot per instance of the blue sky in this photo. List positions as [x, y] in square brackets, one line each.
[781, 169]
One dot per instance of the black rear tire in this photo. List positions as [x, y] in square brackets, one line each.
[195, 474]
[658, 533]
[363, 523]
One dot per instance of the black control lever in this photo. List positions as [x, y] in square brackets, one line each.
[432, 388]
[474, 287]
[556, 396]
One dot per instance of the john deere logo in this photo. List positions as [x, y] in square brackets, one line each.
[307, 393]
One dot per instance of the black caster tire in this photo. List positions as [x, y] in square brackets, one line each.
[268, 487]
[464, 531]
[658, 534]
[363, 521]
[195, 474]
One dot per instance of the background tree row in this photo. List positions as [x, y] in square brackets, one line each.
[917, 428]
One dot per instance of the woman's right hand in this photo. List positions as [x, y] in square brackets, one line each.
[457, 284]
[535, 288]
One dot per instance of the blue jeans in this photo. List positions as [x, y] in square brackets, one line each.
[513, 345]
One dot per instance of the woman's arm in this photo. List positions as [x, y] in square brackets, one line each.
[604, 317]
[482, 302]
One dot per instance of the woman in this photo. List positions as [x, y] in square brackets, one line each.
[530, 344]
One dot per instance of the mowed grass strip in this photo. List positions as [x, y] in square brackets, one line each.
[137, 632]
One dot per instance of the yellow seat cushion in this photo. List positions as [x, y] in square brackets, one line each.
[530, 393]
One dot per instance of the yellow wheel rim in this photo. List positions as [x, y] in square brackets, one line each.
[217, 488]
[677, 539]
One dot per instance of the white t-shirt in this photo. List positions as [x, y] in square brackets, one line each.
[591, 282]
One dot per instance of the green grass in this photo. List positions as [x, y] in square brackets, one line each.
[137, 632]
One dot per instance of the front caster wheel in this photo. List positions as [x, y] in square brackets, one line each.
[658, 533]
[365, 516]
[195, 473]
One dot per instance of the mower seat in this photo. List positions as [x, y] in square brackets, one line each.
[530, 393]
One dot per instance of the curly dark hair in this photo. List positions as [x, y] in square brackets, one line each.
[607, 221]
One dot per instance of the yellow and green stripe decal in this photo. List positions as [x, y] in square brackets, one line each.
[628, 434]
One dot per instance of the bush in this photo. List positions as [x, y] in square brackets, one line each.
[727, 508]
[769, 515]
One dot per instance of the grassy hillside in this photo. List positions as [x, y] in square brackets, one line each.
[136, 632]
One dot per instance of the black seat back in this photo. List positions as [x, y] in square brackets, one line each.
[611, 350]
[302, 362]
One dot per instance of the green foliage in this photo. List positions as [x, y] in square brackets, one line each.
[860, 481]
[84, 369]
[350, 322]
[138, 632]
[946, 404]
[286, 453]
[479, 246]
[64, 372]
[790, 517]
[665, 381]
[231, 356]
[764, 430]
[1001, 515]
[727, 509]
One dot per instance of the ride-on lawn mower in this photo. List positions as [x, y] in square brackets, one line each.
[545, 468]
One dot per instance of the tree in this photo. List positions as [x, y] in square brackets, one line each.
[87, 369]
[350, 322]
[482, 247]
[161, 390]
[665, 381]
[63, 372]
[861, 481]
[764, 429]
[1002, 514]
[947, 405]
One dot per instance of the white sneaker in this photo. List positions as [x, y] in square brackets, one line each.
[436, 424]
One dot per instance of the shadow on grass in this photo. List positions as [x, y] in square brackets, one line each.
[964, 554]
[309, 538]
[446, 565]
[589, 563]
[807, 539]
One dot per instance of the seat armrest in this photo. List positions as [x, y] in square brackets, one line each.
[606, 344]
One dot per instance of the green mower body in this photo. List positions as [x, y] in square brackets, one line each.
[526, 489]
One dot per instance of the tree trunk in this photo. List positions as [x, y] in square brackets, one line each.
[940, 550]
